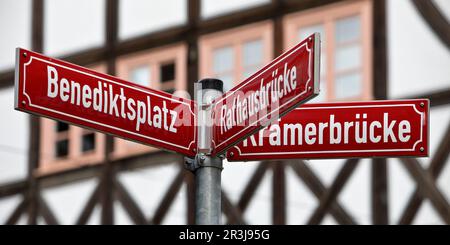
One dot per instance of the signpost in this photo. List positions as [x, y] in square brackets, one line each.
[70, 93]
[342, 130]
[289, 80]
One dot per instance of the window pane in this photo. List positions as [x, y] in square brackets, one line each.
[223, 60]
[139, 17]
[348, 29]
[211, 8]
[167, 72]
[252, 53]
[61, 126]
[88, 142]
[249, 71]
[71, 25]
[348, 86]
[348, 57]
[141, 75]
[227, 80]
[15, 23]
[62, 148]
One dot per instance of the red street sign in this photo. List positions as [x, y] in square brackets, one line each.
[342, 130]
[70, 93]
[270, 93]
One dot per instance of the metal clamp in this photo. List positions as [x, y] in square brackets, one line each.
[202, 160]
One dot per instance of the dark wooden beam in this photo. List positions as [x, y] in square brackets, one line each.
[279, 194]
[427, 187]
[435, 19]
[380, 211]
[47, 213]
[190, 197]
[330, 195]
[252, 185]
[437, 164]
[168, 198]
[37, 44]
[13, 188]
[107, 194]
[89, 207]
[18, 211]
[436, 98]
[194, 8]
[234, 215]
[380, 89]
[129, 204]
[318, 189]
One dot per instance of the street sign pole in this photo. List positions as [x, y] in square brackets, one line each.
[207, 169]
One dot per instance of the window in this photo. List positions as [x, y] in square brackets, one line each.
[67, 146]
[252, 57]
[162, 69]
[223, 66]
[167, 72]
[88, 141]
[346, 47]
[140, 75]
[348, 57]
[236, 54]
[62, 127]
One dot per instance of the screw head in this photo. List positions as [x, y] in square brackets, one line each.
[23, 102]
[231, 154]
[309, 88]
[422, 149]
[422, 104]
[24, 54]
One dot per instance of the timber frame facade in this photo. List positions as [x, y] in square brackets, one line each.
[110, 188]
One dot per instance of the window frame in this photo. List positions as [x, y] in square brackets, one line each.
[50, 163]
[328, 16]
[153, 59]
[235, 38]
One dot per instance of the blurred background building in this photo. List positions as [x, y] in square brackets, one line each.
[54, 173]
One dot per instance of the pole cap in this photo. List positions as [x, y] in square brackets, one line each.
[212, 83]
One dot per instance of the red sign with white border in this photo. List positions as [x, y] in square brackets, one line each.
[279, 87]
[342, 130]
[77, 95]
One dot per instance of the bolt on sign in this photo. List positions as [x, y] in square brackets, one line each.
[289, 80]
[342, 130]
[63, 91]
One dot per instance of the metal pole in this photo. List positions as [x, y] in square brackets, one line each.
[207, 169]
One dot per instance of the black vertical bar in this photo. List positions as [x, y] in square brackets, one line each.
[192, 41]
[279, 182]
[279, 194]
[108, 175]
[34, 121]
[380, 75]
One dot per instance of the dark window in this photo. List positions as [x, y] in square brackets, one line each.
[167, 72]
[170, 91]
[62, 148]
[88, 142]
[61, 127]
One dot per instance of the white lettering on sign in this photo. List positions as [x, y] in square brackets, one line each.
[106, 99]
[338, 132]
[250, 104]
